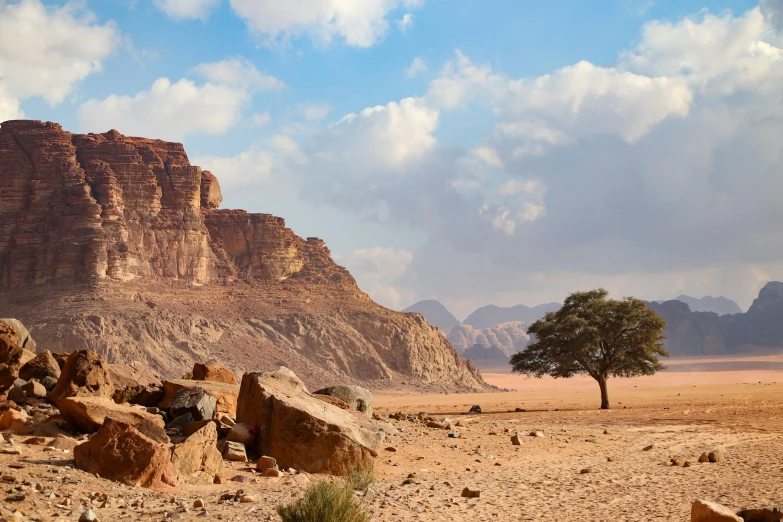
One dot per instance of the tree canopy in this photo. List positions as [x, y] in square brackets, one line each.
[594, 335]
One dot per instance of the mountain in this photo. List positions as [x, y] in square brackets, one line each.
[707, 333]
[719, 305]
[491, 315]
[508, 338]
[435, 313]
[117, 245]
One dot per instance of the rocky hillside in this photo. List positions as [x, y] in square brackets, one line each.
[493, 342]
[117, 245]
[491, 315]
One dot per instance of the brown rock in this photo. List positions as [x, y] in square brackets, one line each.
[705, 457]
[716, 456]
[265, 463]
[12, 420]
[214, 373]
[243, 433]
[42, 365]
[471, 492]
[63, 443]
[197, 460]
[225, 394]
[357, 398]
[117, 451]
[85, 374]
[704, 511]
[334, 401]
[13, 354]
[234, 451]
[765, 514]
[89, 413]
[302, 432]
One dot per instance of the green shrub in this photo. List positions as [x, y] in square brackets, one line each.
[326, 501]
[362, 477]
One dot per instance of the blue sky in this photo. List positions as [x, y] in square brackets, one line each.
[476, 152]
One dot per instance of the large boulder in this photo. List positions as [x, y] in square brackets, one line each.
[136, 383]
[197, 460]
[88, 414]
[302, 432]
[14, 340]
[85, 374]
[40, 367]
[358, 398]
[764, 514]
[704, 511]
[225, 394]
[214, 373]
[118, 451]
[195, 401]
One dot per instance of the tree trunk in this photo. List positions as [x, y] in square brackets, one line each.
[604, 392]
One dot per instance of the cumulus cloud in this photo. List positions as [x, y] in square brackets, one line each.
[46, 51]
[173, 110]
[358, 24]
[187, 9]
[417, 66]
[637, 176]
[772, 10]
[405, 23]
[239, 72]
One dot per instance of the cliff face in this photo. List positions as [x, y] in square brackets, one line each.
[128, 229]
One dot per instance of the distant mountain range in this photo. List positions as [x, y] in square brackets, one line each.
[696, 326]
[720, 305]
[435, 313]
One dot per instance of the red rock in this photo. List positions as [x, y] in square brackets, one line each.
[213, 373]
[43, 365]
[119, 452]
[85, 374]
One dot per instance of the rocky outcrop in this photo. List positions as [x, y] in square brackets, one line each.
[85, 374]
[213, 373]
[507, 338]
[690, 333]
[121, 248]
[302, 432]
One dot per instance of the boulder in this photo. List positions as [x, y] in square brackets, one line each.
[23, 338]
[200, 404]
[716, 456]
[302, 432]
[143, 395]
[88, 414]
[334, 401]
[136, 383]
[197, 460]
[765, 514]
[243, 433]
[704, 511]
[213, 373]
[13, 354]
[358, 398]
[85, 374]
[118, 451]
[35, 389]
[225, 394]
[39, 367]
[265, 463]
[13, 420]
[234, 451]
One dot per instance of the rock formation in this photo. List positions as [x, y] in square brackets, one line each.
[505, 338]
[491, 315]
[117, 245]
[435, 313]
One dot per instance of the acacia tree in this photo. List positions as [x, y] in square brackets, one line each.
[595, 335]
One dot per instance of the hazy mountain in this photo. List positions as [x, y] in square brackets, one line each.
[707, 333]
[435, 313]
[720, 305]
[509, 338]
[491, 315]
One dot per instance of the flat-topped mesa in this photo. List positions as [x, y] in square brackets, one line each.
[92, 206]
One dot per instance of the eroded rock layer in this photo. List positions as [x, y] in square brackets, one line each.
[117, 245]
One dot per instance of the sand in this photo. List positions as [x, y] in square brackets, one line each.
[680, 414]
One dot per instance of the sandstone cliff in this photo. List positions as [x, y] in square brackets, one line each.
[117, 244]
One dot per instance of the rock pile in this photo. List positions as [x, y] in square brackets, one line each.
[196, 424]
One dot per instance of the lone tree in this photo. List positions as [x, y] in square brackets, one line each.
[597, 336]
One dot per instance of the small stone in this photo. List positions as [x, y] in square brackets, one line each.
[475, 409]
[704, 457]
[235, 451]
[584, 471]
[516, 440]
[198, 503]
[471, 492]
[520, 410]
[716, 456]
[703, 511]
[15, 497]
[454, 435]
[272, 473]
[648, 448]
[265, 463]
[678, 461]
[392, 449]
[248, 499]
[538, 434]
[242, 479]
[88, 516]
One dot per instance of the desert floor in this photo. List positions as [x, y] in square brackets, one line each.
[721, 407]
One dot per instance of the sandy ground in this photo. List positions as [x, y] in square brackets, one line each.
[540, 479]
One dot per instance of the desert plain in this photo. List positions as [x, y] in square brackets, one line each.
[589, 465]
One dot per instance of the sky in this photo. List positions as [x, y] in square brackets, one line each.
[470, 151]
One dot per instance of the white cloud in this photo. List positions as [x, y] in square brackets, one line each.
[376, 270]
[46, 51]
[417, 66]
[239, 72]
[314, 111]
[358, 24]
[261, 118]
[405, 23]
[167, 110]
[187, 9]
[772, 10]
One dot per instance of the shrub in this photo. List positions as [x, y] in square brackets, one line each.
[331, 501]
[362, 477]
